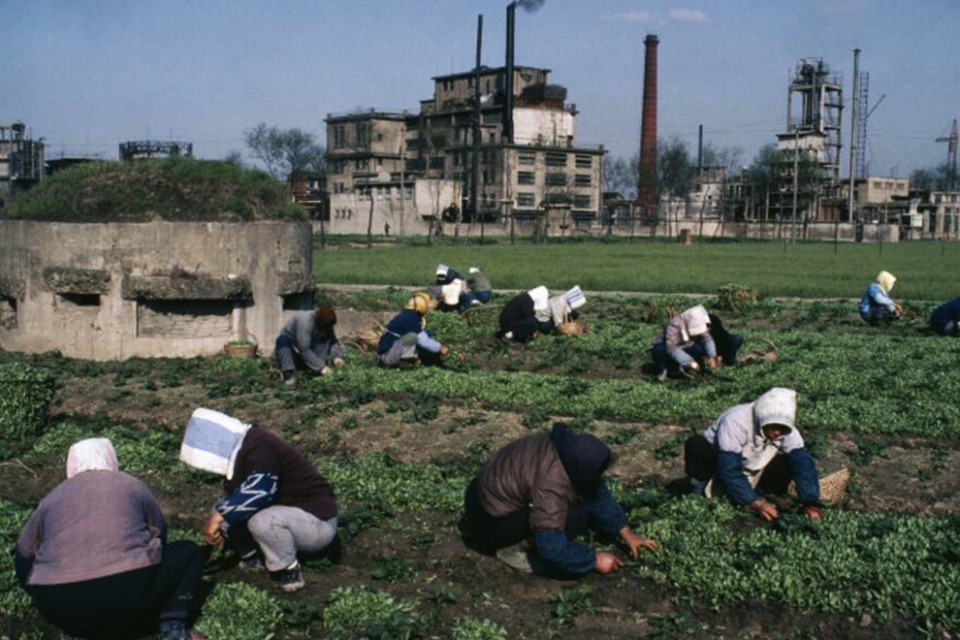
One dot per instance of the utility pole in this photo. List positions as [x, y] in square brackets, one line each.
[951, 141]
[853, 132]
[474, 193]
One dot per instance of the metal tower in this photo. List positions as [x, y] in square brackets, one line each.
[951, 141]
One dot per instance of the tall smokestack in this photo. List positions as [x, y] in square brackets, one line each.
[647, 183]
[508, 86]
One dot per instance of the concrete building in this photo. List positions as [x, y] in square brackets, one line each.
[21, 161]
[415, 173]
[109, 291]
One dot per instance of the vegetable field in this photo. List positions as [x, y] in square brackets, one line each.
[401, 446]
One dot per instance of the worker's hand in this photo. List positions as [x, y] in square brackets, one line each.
[635, 542]
[607, 562]
[764, 509]
[812, 512]
[211, 531]
[325, 371]
[897, 309]
[444, 351]
[338, 363]
[714, 363]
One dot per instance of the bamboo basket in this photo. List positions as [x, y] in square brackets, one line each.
[832, 486]
[572, 328]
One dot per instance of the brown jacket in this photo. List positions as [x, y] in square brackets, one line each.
[527, 473]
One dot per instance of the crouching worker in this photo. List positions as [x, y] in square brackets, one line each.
[876, 306]
[478, 290]
[526, 315]
[405, 339]
[549, 488]
[311, 336]
[945, 319]
[95, 560]
[276, 502]
[685, 345]
[560, 308]
[749, 441]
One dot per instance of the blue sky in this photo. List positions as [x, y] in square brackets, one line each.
[88, 74]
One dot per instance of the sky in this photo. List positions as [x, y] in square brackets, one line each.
[86, 75]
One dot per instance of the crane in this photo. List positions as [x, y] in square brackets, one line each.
[951, 141]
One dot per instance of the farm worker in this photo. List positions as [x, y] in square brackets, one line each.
[876, 304]
[746, 440]
[276, 502]
[520, 317]
[548, 487]
[406, 339]
[728, 344]
[446, 274]
[559, 308]
[945, 319]
[685, 344]
[94, 556]
[311, 336]
[478, 289]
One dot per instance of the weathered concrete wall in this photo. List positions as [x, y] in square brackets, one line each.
[115, 290]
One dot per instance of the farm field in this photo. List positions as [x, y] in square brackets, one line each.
[401, 446]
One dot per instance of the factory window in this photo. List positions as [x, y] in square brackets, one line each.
[556, 159]
[360, 164]
[525, 177]
[527, 157]
[584, 161]
[339, 137]
[583, 180]
[362, 134]
[557, 179]
[581, 201]
[184, 318]
[526, 200]
[492, 118]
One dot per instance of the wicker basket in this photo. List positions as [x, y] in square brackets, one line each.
[572, 328]
[368, 338]
[832, 486]
[240, 349]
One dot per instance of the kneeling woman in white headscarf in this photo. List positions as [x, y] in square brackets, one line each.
[94, 556]
[685, 344]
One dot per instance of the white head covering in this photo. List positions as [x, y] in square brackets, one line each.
[575, 298]
[451, 292]
[540, 297]
[442, 269]
[776, 406]
[886, 280]
[211, 441]
[695, 321]
[92, 454]
[474, 270]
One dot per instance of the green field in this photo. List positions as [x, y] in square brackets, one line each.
[925, 271]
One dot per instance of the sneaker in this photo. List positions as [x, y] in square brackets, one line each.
[516, 559]
[662, 376]
[290, 579]
[510, 342]
[326, 371]
[289, 378]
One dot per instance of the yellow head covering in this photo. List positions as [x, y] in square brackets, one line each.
[886, 280]
[421, 303]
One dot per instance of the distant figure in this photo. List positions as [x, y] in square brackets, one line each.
[311, 336]
[276, 502]
[446, 274]
[546, 490]
[478, 290]
[94, 556]
[945, 319]
[685, 344]
[748, 441]
[519, 321]
[406, 341]
[386, 228]
[876, 306]
[560, 308]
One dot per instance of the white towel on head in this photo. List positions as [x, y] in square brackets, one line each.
[776, 406]
[695, 321]
[575, 298]
[540, 297]
[211, 441]
[92, 454]
[442, 269]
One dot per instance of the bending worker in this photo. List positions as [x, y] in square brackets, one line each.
[749, 441]
[876, 305]
[685, 344]
[945, 319]
[311, 336]
[406, 339]
[549, 487]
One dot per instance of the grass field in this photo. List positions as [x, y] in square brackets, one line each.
[925, 271]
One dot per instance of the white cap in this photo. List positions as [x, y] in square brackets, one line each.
[540, 297]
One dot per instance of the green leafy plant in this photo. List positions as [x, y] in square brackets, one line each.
[572, 602]
[25, 395]
[473, 629]
[239, 611]
[367, 613]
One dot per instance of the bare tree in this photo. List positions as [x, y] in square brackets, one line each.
[284, 151]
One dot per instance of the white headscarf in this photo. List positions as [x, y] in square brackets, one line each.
[695, 321]
[776, 406]
[540, 295]
[92, 454]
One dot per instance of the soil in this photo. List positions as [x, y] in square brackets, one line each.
[901, 475]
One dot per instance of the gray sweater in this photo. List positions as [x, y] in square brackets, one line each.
[96, 524]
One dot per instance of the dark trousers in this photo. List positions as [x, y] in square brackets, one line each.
[524, 329]
[663, 362]
[700, 465]
[128, 604]
[484, 533]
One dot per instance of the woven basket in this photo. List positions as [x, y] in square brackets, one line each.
[368, 338]
[572, 328]
[771, 353]
[832, 486]
[240, 350]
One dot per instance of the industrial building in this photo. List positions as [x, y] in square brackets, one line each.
[21, 161]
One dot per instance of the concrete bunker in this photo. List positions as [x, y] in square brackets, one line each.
[107, 291]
